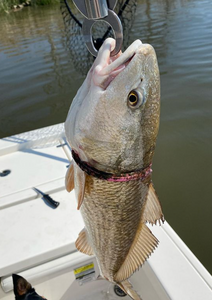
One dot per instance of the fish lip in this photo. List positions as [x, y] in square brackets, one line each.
[115, 72]
[123, 65]
[107, 68]
[120, 59]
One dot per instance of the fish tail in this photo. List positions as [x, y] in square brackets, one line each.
[126, 286]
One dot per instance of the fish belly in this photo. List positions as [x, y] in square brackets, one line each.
[112, 213]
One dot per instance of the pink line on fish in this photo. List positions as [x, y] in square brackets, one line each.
[136, 175]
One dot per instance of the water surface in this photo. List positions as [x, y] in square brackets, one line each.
[38, 81]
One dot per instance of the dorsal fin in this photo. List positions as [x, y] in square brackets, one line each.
[152, 209]
[79, 184]
[69, 179]
[82, 243]
[142, 246]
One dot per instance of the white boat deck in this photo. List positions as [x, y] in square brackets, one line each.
[37, 241]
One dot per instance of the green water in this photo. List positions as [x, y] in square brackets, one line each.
[38, 81]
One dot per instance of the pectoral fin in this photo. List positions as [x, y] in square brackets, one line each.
[79, 179]
[126, 286]
[152, 210]
[69, 179]
[142, 246]
[82, 243]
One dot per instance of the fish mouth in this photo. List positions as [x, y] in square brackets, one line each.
[116, 72]
[107, 68]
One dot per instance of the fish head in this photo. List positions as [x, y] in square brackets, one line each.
[113, 120]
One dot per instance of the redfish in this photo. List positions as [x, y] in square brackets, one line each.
[112, 126]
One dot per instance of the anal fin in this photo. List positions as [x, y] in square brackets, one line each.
[126, 286]
[82, 243]
[152, 211]
[143, 245]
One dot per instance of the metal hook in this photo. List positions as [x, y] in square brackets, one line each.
[94, 10]
[113, 20]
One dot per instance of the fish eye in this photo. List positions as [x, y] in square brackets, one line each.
[135, 98]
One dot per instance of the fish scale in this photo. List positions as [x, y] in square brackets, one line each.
[106, 224]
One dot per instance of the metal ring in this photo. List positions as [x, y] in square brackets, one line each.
[113, 20]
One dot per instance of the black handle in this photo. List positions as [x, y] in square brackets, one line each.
[50, 201]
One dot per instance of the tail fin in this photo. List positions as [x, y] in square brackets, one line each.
[126, 286]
